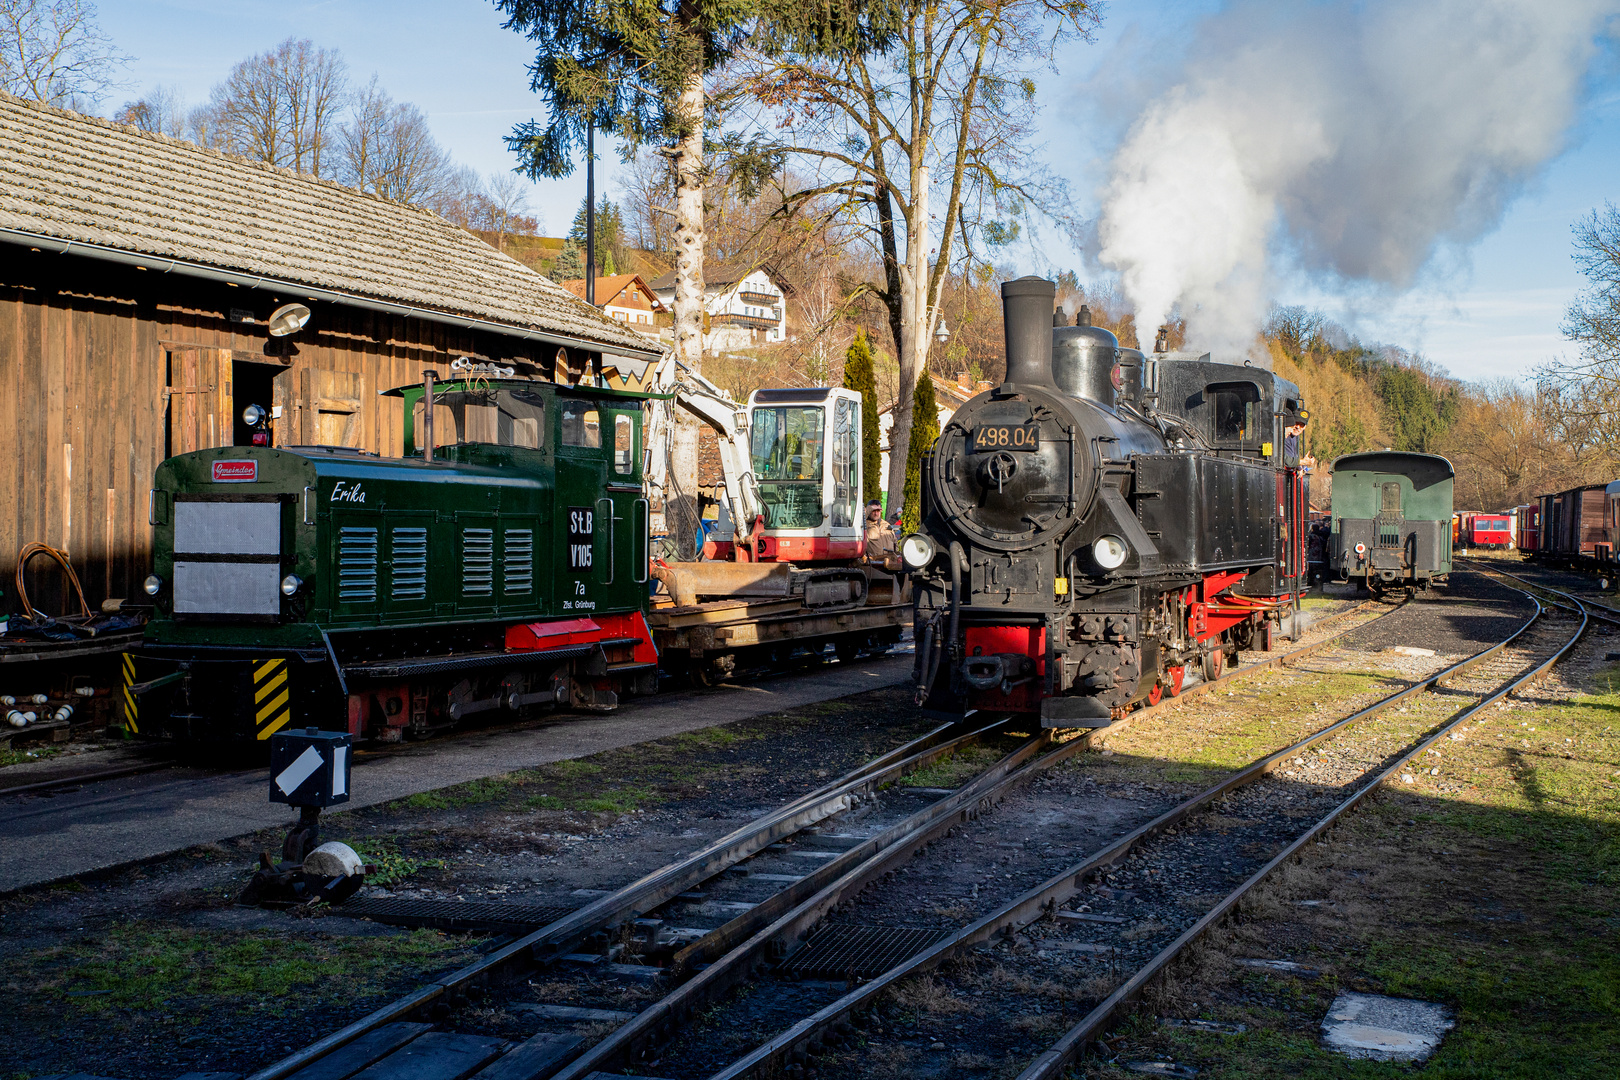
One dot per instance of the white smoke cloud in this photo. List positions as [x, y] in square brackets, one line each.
[1352, 138]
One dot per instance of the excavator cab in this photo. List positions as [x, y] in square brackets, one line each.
[805, 461]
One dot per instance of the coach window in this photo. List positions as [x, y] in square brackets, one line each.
[581, 424]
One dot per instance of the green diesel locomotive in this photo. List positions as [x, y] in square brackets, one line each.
[501, 564]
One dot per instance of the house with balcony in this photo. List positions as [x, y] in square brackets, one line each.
[744, 306]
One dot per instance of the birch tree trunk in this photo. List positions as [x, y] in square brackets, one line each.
[681, 511]
[914, 334]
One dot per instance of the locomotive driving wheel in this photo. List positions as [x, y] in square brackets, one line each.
[1156, 694]
[1178, 675]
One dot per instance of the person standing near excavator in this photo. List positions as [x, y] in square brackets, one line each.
[879, 536]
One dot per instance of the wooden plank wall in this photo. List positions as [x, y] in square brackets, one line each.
[85, 356]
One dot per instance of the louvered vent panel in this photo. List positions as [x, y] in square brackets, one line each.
[409, 577]
[357, 565]
[517, 562]
[478, 562]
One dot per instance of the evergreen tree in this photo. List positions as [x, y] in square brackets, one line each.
[610, 250]
[570, 265]
[859, 377]
[924, 430]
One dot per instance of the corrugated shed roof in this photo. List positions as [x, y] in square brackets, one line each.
[74, 177]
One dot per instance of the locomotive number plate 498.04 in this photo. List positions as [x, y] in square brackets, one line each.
[1007, 437]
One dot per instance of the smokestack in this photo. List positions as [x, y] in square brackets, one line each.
[1027, 306]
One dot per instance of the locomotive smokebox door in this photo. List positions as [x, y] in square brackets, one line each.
[310, 767]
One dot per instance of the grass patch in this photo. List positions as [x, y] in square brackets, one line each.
[620, 800]
[389, 865]
[1490, 885]
[472, 793]
[9, 756]
[954, 770]
[142, 967]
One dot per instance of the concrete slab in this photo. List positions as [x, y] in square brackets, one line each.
[148, 816]
[1377, 1028]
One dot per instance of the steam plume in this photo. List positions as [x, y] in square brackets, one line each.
[1352, 137]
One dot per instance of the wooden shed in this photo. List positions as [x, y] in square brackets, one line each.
[137, 277]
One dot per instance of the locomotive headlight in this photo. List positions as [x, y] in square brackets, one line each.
[290, 584]
[153, 585]
[917, 551]
[1110, 552]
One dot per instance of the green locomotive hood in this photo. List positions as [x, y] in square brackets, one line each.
[254, 545]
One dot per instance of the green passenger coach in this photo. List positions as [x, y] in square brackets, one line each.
[501, 563]
[1391, 519]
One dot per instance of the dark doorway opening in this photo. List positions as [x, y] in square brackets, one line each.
[251, 384]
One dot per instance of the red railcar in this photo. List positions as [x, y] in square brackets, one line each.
[1490, 530]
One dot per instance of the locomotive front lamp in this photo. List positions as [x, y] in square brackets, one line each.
[291, 584]
[254, 415]
[917, 551]
[1110, 552]
[153, 585]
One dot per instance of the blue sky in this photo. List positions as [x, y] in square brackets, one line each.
[1490, 311]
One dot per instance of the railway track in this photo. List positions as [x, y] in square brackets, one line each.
[888, 824]
[835, 1023]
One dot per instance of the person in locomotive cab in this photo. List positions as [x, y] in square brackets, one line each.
[1295, 429]
[879, 536]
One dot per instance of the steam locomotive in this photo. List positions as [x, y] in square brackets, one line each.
[1100, 521]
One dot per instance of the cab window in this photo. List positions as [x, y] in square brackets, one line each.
[581, 423]
[624, 444]
[501, 417]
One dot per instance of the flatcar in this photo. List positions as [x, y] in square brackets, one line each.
[1572, 525]
[501, 564]
[1392, 519]
[1084, 539]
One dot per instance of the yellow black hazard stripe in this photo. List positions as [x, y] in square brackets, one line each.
[132, 711]
[272, 697]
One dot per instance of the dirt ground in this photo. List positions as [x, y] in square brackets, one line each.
[147, 973]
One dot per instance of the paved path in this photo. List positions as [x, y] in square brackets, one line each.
[143, 817]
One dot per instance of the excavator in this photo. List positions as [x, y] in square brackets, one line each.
[786, 574]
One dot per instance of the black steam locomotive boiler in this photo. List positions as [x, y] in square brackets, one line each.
[1098, 522]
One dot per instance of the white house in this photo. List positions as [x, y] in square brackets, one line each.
[744, 307]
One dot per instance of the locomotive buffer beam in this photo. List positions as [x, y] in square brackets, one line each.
[444, 665]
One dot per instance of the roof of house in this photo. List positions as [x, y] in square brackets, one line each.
[715, 275]
[608, 288]
[948, 394]
[69, 177]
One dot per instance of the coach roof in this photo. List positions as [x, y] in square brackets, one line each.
[70, 182]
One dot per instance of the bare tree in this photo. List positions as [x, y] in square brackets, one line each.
[162, 112]
[53, 51]
[385, 148]
[953, 91]
[1593, 320]
[282, 106]
[647, 189]
[508, 198]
